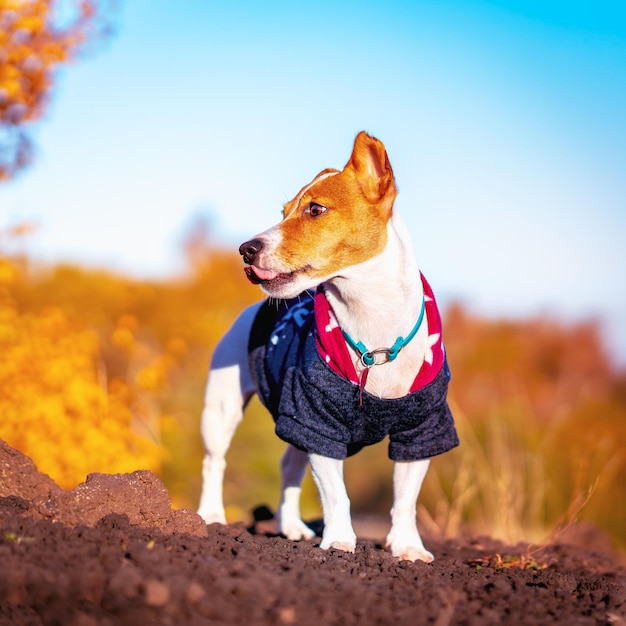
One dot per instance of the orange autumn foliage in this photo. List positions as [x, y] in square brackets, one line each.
[105, 373]
[542, 411]
[57, 401]
[34, 42]
[544, 363]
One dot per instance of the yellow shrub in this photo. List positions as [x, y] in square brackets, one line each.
[56, 404]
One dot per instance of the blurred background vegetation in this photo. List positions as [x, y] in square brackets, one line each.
[104, 373]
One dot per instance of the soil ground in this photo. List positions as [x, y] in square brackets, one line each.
[112, 551]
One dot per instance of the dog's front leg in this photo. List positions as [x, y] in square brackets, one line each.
[328, 476]
[292, 465]
[403, 538]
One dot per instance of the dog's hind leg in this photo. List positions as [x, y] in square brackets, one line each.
[230, 386]
[404, 538]
[292, 465]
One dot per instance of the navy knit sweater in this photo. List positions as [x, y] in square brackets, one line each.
[319, 411]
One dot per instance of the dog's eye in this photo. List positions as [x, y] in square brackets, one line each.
[315, 210]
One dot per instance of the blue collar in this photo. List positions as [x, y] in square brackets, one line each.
[368, 357]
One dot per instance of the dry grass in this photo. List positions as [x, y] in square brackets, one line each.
[499, 483]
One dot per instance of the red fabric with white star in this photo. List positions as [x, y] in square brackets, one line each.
[332, 346]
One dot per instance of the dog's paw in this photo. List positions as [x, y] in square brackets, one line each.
[295, 529]
[406, 545]
[346, 545]
[411, 553]
[212, 517]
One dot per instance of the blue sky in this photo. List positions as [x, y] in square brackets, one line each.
[505, 123]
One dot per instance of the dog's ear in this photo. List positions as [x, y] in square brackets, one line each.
[373, 171]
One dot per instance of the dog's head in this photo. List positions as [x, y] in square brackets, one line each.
[336, 221]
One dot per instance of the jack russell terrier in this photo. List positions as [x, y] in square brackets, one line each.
[346, 351]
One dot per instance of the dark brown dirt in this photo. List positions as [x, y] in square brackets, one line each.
[112, 551]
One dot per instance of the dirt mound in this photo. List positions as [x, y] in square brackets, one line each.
[112, 551]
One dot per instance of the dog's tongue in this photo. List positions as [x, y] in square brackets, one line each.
[265, 274]
[256, 274]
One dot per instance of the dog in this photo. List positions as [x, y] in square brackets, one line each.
[346, 351]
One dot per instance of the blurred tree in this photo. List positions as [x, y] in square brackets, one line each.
[36, 38]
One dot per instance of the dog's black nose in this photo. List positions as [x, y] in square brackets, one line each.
[250, 249]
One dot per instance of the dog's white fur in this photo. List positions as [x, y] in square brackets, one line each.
[376, 301]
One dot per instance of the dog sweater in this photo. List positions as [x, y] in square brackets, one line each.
[307, 380]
